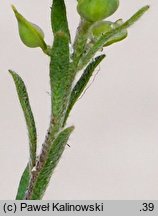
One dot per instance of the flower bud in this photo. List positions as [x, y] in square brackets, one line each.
[119, 36]
[30, 34]
[102, 27]
[95, 10]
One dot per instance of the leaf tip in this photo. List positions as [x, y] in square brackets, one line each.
[10, 71]
[14, 9]
[145, 8]
[71, 129]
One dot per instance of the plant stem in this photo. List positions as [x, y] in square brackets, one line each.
[50, 136]
[80, 42]
[54, 129]
[62, 75]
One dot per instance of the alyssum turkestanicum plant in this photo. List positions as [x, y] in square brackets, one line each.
[94, 34]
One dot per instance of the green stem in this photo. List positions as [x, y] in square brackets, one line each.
[80, 42]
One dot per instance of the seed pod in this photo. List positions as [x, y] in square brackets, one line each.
[30, 34]
[95, 10]
[102, 27]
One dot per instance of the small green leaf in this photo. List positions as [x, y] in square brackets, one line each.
[82, 83]
[30, 34]
[25, 104]
[106, 37]
[59, 66]
[52, 160]
[23, 185]
[59, 75]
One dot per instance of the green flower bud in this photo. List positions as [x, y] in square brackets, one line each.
[30, 34]
[95, 10]
[102, 27]
[120, 36]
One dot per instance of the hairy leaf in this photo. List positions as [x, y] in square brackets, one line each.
[59, 66]
[25, 104]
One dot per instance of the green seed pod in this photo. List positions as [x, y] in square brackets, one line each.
[95, 10]
[102, 27]
[30, 34]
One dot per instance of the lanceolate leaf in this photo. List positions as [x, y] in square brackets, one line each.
[59, 75]
[105, 38]
[25, 104]
[55, 153]
[82, 83]
[59, 66]
[23, 185]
